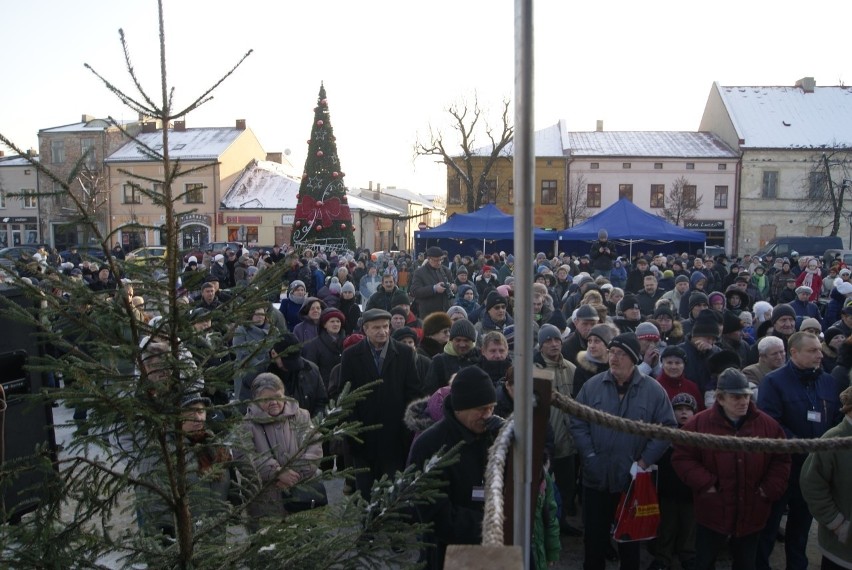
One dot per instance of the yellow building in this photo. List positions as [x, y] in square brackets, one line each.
[218, 153]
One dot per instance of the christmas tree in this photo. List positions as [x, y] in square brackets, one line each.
[322, 214]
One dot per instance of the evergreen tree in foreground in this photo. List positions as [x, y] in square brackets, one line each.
[130, 483]
[322, 214]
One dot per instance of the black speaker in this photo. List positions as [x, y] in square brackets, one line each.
[25, 425]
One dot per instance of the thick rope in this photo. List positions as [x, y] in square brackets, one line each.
[492, 523]
[703, 440]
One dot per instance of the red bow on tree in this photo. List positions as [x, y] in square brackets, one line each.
[327, 211]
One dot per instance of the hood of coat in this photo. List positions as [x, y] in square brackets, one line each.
[416, 416]
[256, 414]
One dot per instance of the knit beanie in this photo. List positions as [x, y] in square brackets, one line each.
[810, 323]
[547, 332]
[557, 319]
[706, 325]
[494, 298]
[629, 344]
[471, 388]
[605, 332]
[673, 351]
[404, 332]
[463, 328]
[461, 269]
[698, 298]
[731, 323]
[348, 287]
[663, 310]
[331, 313]
[435, 323]
[456, 309]
[628, 302]
[647, 331]
[782, 310]
[400, 297]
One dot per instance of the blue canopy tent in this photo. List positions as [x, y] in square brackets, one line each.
[627, 223]
[464, 233]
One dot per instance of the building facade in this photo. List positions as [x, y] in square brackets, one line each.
[782, 134]
[19, 213]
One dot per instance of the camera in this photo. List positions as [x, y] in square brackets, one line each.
[447, 291]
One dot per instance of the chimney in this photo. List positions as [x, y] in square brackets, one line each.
[275, 157]
[241, 125]
[32, 152]
[370, 186]
[149, 127]
[806, 84]
[87, 118]
[180, 126]
[378, 187]
[599, 126]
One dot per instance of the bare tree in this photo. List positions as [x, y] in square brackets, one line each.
[471, 163]
[825, 188]
[575, 207]
[682, 202]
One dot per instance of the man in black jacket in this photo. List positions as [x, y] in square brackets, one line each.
[468, 419]
[382, 451]
[432, 284]
[602, 254]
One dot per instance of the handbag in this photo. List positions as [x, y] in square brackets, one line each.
[305, 496]
[638, 514]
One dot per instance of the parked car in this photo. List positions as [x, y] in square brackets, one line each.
[845, 256]
[148, 255]
[803, 245]
[87, 252]
[10, 256]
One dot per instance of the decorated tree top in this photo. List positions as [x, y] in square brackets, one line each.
[322, 214]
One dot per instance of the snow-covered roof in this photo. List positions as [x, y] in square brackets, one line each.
[95, 125]
[548, 142]
[656, 144]
[15, 160]
[205, 143]
[265, 185]
[788, 117]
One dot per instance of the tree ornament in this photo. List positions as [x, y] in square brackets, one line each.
[353, 228]
[298, 223]
[324, 102]
[342, 226]
[309, 141]
[320, 123]
[335, 174]
[319, 204]
[320, 154]
[319, 227]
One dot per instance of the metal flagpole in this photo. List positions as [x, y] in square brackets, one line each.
[524, 180]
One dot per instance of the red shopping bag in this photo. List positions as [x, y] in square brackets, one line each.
[638, 514]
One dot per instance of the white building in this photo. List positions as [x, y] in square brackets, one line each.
[19, 221]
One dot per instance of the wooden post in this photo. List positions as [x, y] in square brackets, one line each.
[542, 389]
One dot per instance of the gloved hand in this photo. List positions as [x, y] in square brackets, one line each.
[842, 532]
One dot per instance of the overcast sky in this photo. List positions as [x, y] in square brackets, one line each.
[391, 67]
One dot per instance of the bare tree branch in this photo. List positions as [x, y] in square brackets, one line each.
[682, 202]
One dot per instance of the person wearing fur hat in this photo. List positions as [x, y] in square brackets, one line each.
[607, 456]
[326, 349]
[459, 353]
[736, 300]
[436, 334]
[826, 482]
[469, 420]
[699, 346]
[801, 397]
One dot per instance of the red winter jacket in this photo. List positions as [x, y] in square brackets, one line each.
[737, 507]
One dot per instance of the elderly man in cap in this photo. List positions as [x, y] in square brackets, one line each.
[459, 353]
[803, 398]
[432, 284]
[382, 451]
[468, 420]
[608, 455]
[732, 490]
[826, 482]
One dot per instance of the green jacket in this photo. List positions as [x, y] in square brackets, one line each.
[545, 534]
[826, 483]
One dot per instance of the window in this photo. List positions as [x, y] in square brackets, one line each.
[723, 166]
[690, 196]
[594, 165]
[690, 166]
[29, 198]
[658, 166]
[625, 191]
[548, 192]
[721, 198]
[490, 192]
[2, 198]
[57, 152]
[658, 195]
[593, 195]
[132, 195]
[511, 190]
[817, 186]
[30, 233]
[87, 149]
[235, 233]
[194, 193]
[625, 165]
[454, 191]
[770, 184]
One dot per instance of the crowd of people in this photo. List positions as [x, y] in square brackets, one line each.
[743, 347]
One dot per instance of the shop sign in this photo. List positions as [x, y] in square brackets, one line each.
[704, 224]
[287, 219]
[185, 219]
[19, 220]
[244, 220]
